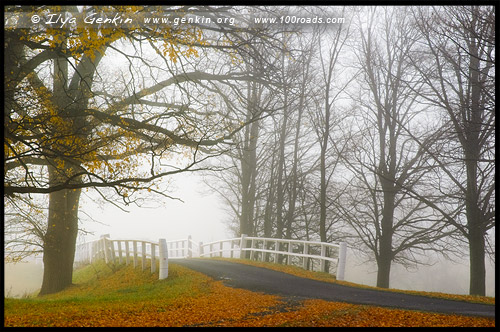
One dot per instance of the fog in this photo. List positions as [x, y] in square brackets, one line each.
[445, 277]
[23, 278]
[202, 215]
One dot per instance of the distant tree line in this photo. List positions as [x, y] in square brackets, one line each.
[382, 135]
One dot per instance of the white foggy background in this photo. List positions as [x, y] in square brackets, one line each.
[203, 216]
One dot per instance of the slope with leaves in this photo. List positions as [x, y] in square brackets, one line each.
[123, 296]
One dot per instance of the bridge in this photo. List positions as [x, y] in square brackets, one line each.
[308, 254]
[311, 255]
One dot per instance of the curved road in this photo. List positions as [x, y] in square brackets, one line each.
[279, 283]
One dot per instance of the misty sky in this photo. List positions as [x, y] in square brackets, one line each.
[201, 215]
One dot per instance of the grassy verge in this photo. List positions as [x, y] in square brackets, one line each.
[104, 295]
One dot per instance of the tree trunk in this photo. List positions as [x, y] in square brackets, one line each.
[475, 226]
[248, 170]
[280, 190]
[472, 148]
[60, 239]
[385, 254]
[477, 265]
[384, 270]
[249, 166]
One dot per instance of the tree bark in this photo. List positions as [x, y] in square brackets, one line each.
[60, 239]
[62, 223]
[385, 254]
[475, 227]
[477, 284]
[249, 166]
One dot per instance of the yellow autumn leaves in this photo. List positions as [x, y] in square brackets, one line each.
[104, 149]
[131, 297]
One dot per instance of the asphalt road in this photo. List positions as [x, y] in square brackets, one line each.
[273, 282]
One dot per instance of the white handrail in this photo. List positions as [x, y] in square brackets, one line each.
[119, 250]
[280, 250]
[217, 248]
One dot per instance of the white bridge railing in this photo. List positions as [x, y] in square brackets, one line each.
[310, 255]
[129, 251]
[292, 252]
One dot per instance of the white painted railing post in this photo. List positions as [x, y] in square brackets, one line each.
[143, 255]
[201, 249]
[252, 244]
[163, 253]
[127, 253]
[105, 247]
[276, 249]
[112, 250]
[134, 245]
[306, 259]
[323, 261]
[243, 243]
[120, 258]
[264, 254]
[341, 262]
[190, 247]
[153, 258]
[290, 250]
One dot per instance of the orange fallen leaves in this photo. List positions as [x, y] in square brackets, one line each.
[130, 298]
[319, 313]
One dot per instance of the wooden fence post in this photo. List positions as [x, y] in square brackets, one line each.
[306, 259]
[134, 245]
[163, 253]
[127, 253]
[201, 249]
[290, 250]
[153, 258]
[243, 243]
[120, 258]
[277, 249]
[252, 244]
[112, 250]
[264, 254]
[190, 247]
[323, 261]
[143, 255]
[105, 248]
[341, 261]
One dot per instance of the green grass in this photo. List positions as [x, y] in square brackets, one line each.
[119, 295]
[110, 295]
[100, 282]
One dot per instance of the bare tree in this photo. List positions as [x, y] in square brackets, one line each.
[333, 86]
[460, 77]
[389, 221]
